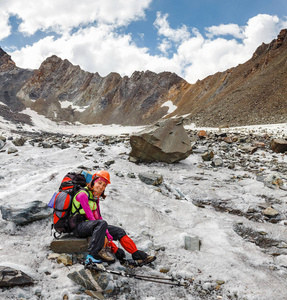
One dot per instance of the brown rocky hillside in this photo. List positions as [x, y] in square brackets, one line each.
[251, 93]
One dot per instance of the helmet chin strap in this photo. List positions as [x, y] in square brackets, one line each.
[96, 194]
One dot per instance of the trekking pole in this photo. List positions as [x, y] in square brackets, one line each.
[162, 280]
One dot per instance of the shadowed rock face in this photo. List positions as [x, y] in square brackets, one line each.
[11, 81]
[251, 93]
[111, 99]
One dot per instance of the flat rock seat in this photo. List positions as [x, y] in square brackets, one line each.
[69, 244]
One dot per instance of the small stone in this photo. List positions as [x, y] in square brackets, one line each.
[12, 150]
[119, 174]
[228, 140]
[249, 149]
[207, 156]
[19, 142]
[191, 243]
[109, 162]
[2, 144]
[164, 270]
[270, 212]
[217, 162]
[65, 259]
[46, 145]
[53, 255]
[131, 175]
[202, 134]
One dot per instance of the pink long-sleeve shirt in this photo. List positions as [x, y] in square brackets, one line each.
[90, 214]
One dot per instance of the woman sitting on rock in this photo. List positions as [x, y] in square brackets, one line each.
[86, 205]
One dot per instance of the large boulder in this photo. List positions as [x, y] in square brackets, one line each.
[26, 213]
[166, 141]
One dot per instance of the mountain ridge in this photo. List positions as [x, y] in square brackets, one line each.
[250, 93]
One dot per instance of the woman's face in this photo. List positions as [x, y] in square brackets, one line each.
[99, 187]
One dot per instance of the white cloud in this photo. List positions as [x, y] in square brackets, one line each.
[259, 29]
[224, 29]
[63, 15]
[164, 46]
[5, 28]
[163, 27]
[200, 57]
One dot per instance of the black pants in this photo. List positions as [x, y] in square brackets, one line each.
[97, 230]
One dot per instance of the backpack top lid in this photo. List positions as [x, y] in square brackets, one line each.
[72, 180]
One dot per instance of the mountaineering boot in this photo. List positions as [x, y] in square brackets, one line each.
[106, 256]
[146, 261]
[91, 260]
[120, 255]
[142, 258]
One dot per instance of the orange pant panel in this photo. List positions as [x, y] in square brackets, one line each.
[113, 246]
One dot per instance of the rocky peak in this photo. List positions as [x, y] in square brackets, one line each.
[6, 63]
[281, 38]
[275, 44]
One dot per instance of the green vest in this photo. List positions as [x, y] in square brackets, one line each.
[76, 204]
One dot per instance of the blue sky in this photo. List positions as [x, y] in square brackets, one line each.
[193, 38]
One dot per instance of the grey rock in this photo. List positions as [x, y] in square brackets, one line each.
[46, 145]
[26, 213]
[2, 144]
[64, 146]
[12, 150]
[217, 162]
[131, 175]
[249, 149]
[93, 280]
[166, 141]
[19, 142]
[191, 243]
[10, 277]
[151, 178]
[109, 163]
[119, 174]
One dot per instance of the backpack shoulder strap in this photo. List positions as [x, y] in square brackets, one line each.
[80, 206]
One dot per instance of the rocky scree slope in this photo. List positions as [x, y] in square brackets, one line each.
[251, 93]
